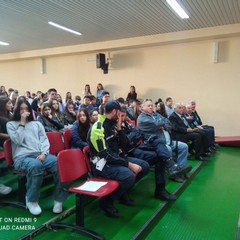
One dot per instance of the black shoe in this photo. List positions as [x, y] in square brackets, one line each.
[164, 195]
[177, 179]
[109, 208]
[206, 154]
[201, 158]
[177, 170]
[126, 200]
[213, 149]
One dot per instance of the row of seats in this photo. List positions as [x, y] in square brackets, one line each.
[72, 165]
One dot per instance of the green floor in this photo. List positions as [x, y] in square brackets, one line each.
[207, 209]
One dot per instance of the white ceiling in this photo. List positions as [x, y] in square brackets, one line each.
[23, 23]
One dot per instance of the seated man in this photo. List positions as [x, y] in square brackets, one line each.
[105, 139]
[209, 129]
[155, 129]
[183, 132]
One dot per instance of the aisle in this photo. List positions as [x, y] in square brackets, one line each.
[209, 208]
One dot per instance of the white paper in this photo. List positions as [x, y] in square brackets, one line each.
[91, 186]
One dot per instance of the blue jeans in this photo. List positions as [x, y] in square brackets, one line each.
[35, 170]
[182, 151]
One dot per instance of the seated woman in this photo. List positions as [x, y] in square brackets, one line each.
[80, 129]
[93, 116]
[30, 150]
[56, 113]
[49, 123]
[5, 116]
[69, 114]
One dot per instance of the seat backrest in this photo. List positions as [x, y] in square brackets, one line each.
[1, 154]
[56, 142]
[133, 122]
[67, 138]
[71, 165]
[7, 148]
[87, 157]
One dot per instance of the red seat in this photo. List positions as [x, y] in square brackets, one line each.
[67, 138]
[56, 142]
[72, 166]
[87, 158]
[133, 122]
[7, 148]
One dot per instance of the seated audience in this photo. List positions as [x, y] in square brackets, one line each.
[134, 109]
[168, 106]
[77, 103]
[86, 103]
[93, 116]
[183, 132]
[80, 129]
[156, 131]
[30, 149]
[160, 108]
[57, 115]
[69, 114]
[68, 97]
[105, 140]
[209, 129]
[5, 116]
[46, 118]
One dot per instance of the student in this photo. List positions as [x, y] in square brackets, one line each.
[5, 116]
[100, 90]
[49, 123]
[30, 149]
[80, 129]
[132, 95]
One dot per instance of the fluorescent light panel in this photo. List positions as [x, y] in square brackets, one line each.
[4, 43]
[64, 28]
[177, 8]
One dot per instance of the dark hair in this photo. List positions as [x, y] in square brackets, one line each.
[83, 127]
[105, 93]
[44, 105]
[162, 111]
[168, 98]
[4, 113]
[52, 90]
[91, 112]
[16, 113]
[134, 89]
[121, 100]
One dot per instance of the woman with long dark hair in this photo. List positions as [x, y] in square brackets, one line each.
[5, 116]
[80, 129]
[30, 150]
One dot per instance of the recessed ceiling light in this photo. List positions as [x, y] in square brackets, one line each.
[177, 8]
[4, 43]
[64, 28]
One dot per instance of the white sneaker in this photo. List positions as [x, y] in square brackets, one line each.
[4, 189]
[33, 207]
[57, 208]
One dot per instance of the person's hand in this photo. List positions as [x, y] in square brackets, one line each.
[119, 120]
[24, 117]
[134, 167]
[41, 157]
